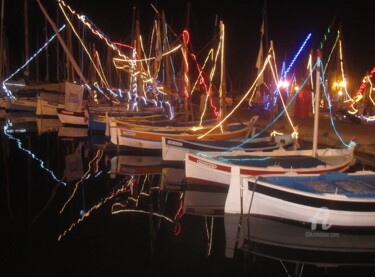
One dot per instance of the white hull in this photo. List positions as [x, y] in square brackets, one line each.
[257, 197]
[174, 151]
[20, 104]
[148, 139]
[48, 108]
[72, 118]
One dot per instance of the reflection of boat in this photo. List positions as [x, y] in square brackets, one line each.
[204, 202]
[172, 178]
[342, 200]
[48, 125]
[131, 164]
[298, 244]
[20, 122]
[72, 133]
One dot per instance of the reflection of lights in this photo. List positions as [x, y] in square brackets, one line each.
[340, 93]
[93, 164]
[32, 155]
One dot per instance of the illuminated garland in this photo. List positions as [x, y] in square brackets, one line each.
[8, 92]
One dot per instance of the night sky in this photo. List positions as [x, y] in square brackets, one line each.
[288, 24]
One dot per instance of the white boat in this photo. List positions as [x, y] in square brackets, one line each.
[74, 112]
[174, 149]
[49, 103]
[150, 137]
[25, 102]
[216, 170]
[330, 200]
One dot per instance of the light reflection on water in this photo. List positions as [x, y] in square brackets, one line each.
[135, 217]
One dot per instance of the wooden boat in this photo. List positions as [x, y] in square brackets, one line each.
[150, 138]
[47, 107]
[74, 112]
[330, 200]
[174, 150]
[26, 102]
[98, 115]
[216, 171]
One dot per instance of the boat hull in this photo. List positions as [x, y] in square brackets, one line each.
[72, 118]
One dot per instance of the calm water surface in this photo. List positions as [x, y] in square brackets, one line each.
[69, 208]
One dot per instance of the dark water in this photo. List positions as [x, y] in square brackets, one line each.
[66, 210]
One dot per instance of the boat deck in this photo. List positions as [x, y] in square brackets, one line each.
[360, 186]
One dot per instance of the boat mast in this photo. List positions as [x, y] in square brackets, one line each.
[64, 46]
[223, 86]
[26, 25]
[2, 40]
[316, 105]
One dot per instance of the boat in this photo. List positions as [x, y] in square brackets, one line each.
[174, 149]
[25, 101]
[50, 98]
[330, 200]
[74, 112]
[149, 138]
[98, 115]
[216, 170]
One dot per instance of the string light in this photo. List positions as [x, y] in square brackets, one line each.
[8, 92]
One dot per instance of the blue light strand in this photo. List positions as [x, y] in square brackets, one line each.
[32, 155]
[298, 53]
[330, 110]
[8, 92]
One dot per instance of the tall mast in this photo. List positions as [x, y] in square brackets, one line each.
[223, 85]
[167, 81]
[26, 25]
[2, 39]
[316, 105]
[64, 46]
